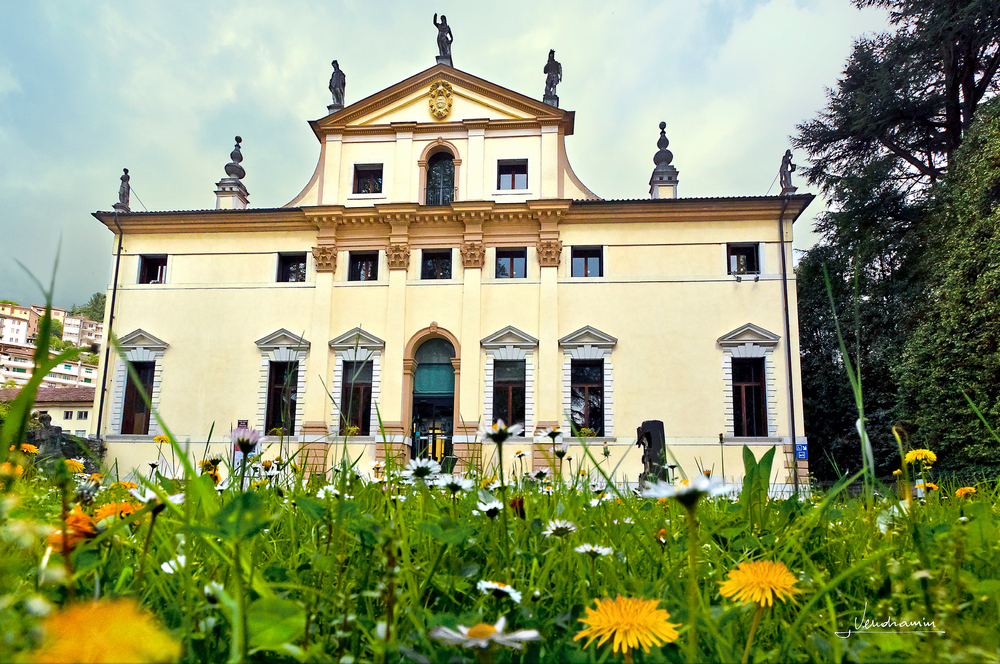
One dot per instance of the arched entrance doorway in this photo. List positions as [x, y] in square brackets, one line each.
[433, 413]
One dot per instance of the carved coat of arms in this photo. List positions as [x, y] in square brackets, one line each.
[440, 99]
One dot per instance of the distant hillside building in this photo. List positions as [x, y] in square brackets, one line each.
[444, 267]
[70, 407]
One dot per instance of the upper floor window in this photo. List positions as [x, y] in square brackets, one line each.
[368, 178]
[512, 174]
[291, 267]
[440, 179]
[81, 415]
[743, 258]
[435, 264]
[588, 262]
[512, 263]
[363, 266]
[67, 414]
[152, 269]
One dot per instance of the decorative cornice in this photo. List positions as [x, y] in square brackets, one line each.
[549, 252]
[473, 255]
[326, 257]
[398, 256]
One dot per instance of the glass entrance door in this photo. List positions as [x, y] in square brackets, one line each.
[434, 402]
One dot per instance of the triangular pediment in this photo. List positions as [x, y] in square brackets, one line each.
[588, 336]
[509, 336]
[357, 338]
[472, 99]
[142, 339]
[282, 339]
[749, 334]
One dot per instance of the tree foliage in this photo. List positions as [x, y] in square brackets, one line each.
[956, 345]
[901, 109]
[93, 310]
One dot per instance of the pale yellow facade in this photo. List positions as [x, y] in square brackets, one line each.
[662, 319]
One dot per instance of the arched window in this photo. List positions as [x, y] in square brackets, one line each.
[440, 179]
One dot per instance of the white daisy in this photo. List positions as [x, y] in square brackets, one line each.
[559, 528]
[499, 432]
[455, 483]
[172, 566]
[328, 491]
[520, 454]
[688, 493]
[483, 635]
[491, 509]
[421, 470]
[498, 589]
[594, 550]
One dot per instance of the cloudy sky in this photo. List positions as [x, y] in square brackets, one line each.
[90, 87]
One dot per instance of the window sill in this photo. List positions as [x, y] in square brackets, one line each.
[512, 192]
[365, 197]
[751, 440]
[373, 282]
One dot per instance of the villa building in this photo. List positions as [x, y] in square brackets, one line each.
[445, 267]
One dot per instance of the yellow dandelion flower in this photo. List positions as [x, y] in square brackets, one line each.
[162, 440]
[897, 472]
[28, 448]
[930, 486]
[125, 485]
[6, 468]
[631, 621]
[926, 457]
[116, 631]
[96, 478]
[760, 582]
[121, 510]
[79, 528]
[74, 466]
[965, 491]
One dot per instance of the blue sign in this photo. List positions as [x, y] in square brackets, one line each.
[801, 450]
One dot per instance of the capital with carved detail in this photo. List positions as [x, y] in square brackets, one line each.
[398, 256]
[326, 258]
[549, 252]
[473, 255]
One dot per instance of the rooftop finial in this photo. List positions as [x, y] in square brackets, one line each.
[663, 183]
[233, 168]
[338, 81]
[553, 75]
[445, 38]
[123, 193]
[785, 174]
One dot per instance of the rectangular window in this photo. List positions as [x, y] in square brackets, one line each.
[80, 433]
[368, 178]
[743, 259]
[363, 266]
[81, 414]
[19, 370]
[587, 394]
[291, 267]
[67, 414]
[135, 411]
[749, 408]
[512, 263]
[435, 264]
[87, 380]
[508, 391]
[512, 174]
[152, 269]
[588, 262]
[356, 397]
[282, 395]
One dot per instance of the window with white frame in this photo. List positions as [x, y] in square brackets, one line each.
[588, 398]
[282, 380]
[130, 414]
[357, 377]
[750, 385]
[510, 377]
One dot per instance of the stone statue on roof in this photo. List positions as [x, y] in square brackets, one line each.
[785, 173]
[338, 81]
[123, 193]
[445, 38]
[553, 74]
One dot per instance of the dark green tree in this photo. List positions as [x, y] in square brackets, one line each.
[889, 132]
[956, 345]
[93, 310]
